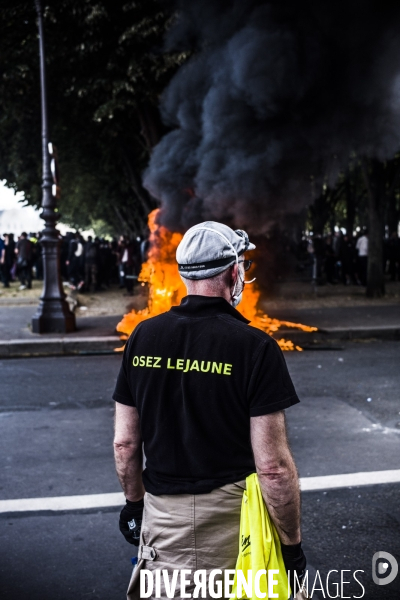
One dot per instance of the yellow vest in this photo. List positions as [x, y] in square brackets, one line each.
[259, 548]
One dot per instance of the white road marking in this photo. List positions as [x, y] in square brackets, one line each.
[308, 484]
[62, 503]
[329, 482]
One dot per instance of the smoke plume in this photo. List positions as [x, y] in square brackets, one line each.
[274, 93]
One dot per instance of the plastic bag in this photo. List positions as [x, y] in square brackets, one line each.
[259, 547]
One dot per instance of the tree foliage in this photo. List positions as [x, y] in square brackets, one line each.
[106, 69]
[367, 195]
[347, 203]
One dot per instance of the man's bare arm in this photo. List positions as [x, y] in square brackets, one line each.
[277, 474]
[128, 451]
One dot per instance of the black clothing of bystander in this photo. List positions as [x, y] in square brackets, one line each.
[319, 256]
[128, 264]
[347, 256]
[24, 261]
[9, 259]
[39, 260]
[2, 265]
[330, 261]
[105, 265]
[24, 247]
[91, 257]
[393, 248]
[75, 260]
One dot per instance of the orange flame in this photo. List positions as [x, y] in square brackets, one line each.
[166, 288]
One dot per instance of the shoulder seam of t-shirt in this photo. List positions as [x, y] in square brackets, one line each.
[135, 330]
[120, 398]
[253, 331]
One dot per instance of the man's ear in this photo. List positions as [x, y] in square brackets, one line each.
[234, 274]
[185, 282]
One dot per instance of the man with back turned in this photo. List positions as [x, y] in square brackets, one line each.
[204, 393]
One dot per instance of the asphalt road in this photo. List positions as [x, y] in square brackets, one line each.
[56, 439]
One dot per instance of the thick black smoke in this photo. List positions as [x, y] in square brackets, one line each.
[275, 92]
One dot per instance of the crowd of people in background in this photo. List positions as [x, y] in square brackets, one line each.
[343, 258]
[17, 259]
[94, 264]
[87, 265]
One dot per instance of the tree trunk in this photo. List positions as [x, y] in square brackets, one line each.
[151, 126]
[375, 275]
[393, 214]
[125, 226]
[322, 210]
[136, 185]
[350, 205]
[319, 213]
[375, 180]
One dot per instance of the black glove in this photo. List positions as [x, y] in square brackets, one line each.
[295, 562]
[130, 521]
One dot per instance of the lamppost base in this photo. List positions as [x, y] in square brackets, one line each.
[53, 316]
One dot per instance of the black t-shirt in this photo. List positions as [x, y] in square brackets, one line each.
[196, 375]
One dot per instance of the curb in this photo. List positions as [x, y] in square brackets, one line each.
[303, 338]
[336, 334]
[64, 346]
[382, 332]
[59, 346]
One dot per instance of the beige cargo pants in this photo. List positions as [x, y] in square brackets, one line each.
[188, 531]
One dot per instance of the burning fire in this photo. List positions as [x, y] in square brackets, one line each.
[166, 288]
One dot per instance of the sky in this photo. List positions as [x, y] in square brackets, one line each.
[8, 199]
[14, 216]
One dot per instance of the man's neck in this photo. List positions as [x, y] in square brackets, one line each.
[200, 288]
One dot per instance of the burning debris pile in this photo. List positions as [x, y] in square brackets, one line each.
[166, 288]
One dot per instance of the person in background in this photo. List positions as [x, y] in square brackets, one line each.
[106, 264]
[127, 253]
[362, 261]
[64, 253]
[75, 259]
[394, 256]
[347, 260]
[330, 261]
[2, 261]
[121, 246]
[137, 256]
[91, 258]
[115, 262]
[39, 257]
[33, 240]
[318, 247]
[24, 261]
[11, 256]
[144, 247]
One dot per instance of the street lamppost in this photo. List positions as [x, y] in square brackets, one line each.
[53, 314]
